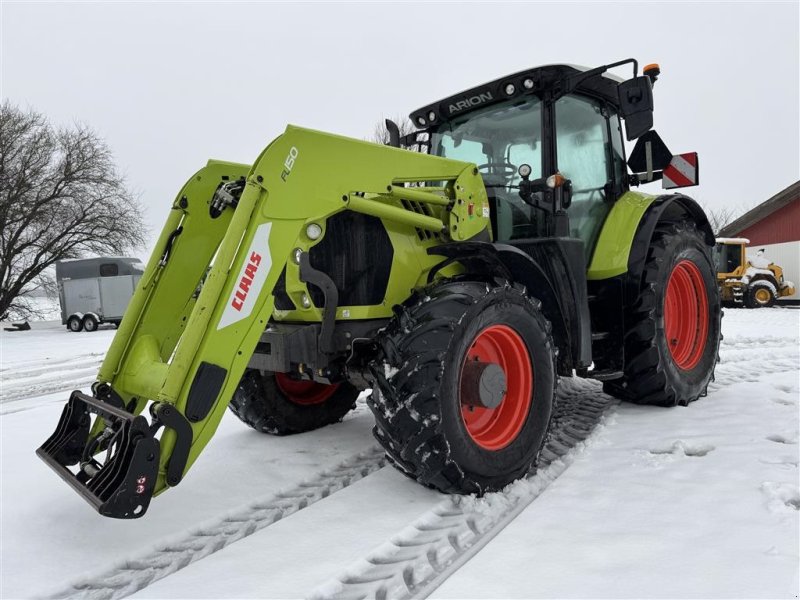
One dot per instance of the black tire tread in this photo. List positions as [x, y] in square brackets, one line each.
[406, 409]
[644, 380]
[750, 295]
[259, 403]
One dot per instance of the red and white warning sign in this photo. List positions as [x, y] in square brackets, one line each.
[681, 171]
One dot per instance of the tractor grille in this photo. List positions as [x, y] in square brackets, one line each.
[357, 254]
[423, 209]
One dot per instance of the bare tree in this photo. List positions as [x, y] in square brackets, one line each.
[719, 217]
[380, 134]
[61, 196]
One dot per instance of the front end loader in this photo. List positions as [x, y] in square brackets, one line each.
[456, 275]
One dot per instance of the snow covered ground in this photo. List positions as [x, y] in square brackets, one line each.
[630, 502]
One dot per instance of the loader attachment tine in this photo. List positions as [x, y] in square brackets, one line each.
[122, 485]
[64, 447]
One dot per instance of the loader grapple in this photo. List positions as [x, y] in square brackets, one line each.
[122, 485]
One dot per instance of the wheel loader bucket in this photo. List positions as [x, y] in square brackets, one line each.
[121, 486]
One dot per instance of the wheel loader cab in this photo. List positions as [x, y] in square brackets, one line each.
[728, 257]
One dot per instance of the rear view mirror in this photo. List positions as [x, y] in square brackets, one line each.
[636, 105]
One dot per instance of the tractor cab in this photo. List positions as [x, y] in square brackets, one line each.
[558, 120]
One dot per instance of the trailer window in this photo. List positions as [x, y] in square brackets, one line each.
[109, 270]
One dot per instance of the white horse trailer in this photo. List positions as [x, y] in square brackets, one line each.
[96, 290]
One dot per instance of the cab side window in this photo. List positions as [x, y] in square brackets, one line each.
[585, 156]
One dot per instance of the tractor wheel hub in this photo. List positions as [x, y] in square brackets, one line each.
[483, 384]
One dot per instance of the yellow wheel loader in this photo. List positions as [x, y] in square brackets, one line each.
[754, 282]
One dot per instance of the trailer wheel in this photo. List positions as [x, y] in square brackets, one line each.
[75, 324]
[90, 323]
[464, 386]
[278, 404]
[673, 328]
[760, 294]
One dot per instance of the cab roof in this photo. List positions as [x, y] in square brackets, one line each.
[529, 81]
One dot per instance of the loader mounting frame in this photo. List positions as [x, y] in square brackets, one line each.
[206, 298]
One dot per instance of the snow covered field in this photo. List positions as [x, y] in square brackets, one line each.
[629, 502]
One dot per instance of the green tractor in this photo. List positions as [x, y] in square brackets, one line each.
[456, 272]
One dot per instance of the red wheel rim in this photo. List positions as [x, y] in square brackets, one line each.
[304, 392]
[686, 315]
[495, 428]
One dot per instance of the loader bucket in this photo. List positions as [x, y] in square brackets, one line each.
[122, 485]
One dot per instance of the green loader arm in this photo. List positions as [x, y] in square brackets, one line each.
[184, 352]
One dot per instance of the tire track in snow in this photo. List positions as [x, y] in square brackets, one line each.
[139, 571]
[416, 560]
[37, 379]
[25, 367]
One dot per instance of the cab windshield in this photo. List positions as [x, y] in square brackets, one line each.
[499, 139]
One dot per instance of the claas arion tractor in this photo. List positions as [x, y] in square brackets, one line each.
[455, 272]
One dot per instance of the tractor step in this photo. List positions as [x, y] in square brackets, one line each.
[608, 375]
[121, 486]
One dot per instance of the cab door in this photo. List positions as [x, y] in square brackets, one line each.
[590, 154]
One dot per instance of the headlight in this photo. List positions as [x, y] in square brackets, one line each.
[313, 231]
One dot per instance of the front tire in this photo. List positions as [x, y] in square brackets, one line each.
[760, 294]
[448, 354]
[673, 328]
[278, 404]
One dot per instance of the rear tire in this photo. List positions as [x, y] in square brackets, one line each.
[760, 294]
[277, 404]
[422, 393]
[673, 328]
[74, 324]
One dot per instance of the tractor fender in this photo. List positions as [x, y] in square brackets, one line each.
[493, 260]
[628, 228]
[664, 208]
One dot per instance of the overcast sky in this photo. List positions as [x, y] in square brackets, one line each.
[170, 85]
